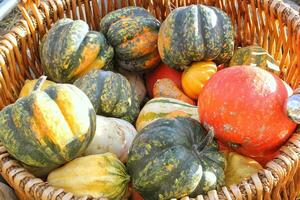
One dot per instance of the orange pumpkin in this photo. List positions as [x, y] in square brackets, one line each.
[195, 77]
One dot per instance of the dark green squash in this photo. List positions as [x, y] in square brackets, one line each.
[48, 128]
[133, 32]
[172, 158]
[110, 93]
[195, 33]
[255, 56]
[70, 50]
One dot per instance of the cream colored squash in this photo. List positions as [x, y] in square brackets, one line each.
[136, 82]
[112, 135]
[102, 175]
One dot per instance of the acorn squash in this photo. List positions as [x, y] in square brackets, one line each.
[112, 135]
[110, 93]
[48, 128]
[195, 33]
[172, 158]
[70, 50]
[101, 175]
[133, 32]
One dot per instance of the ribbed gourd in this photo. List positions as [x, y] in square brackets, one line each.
[48, 128]
[173, 158]
[110, 93]
[70, 50]
[133, 32]
[195, 33]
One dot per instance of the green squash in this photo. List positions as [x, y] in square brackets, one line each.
[48, 128]
[70, 50]
[110, 93]
[133, 32]
[195, 33]
[255, 56]
[172, 158]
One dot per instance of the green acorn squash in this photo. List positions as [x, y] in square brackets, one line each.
[195, 33]
[101, 175]
[255, 56]
[70, 50]
[110, 93]
[172, 158]
[133, 32]
[48, 128]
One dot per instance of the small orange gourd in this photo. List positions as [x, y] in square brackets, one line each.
[195, 77]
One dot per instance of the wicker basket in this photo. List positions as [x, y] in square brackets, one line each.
[268, 23]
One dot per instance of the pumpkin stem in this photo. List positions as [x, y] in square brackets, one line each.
[205, 142]
[39, 83]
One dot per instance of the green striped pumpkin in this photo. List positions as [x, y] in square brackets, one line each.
[70, 50]
[195, 33]
[162, 107]
[133, 32]
[48, 128]
[111, 94]
[172, 158]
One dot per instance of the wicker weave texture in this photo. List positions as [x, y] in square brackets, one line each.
[268, 23]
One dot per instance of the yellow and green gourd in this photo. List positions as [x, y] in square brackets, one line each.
[133, 32]
[255, 56]
[195, 33]
[31, 84]
[101, 175]
[173, 158]
[70, 50]
[48, 128]
[111, 94]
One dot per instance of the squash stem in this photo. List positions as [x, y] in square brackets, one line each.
[39, 83]
[198, 148]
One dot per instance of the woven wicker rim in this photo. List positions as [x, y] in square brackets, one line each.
[279, 180]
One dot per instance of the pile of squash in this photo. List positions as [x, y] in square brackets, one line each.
[147, 110]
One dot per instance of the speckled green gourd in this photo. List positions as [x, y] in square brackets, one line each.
[133, 32]
[70, 50]
[195, 33]
[48, 128]
[110, 93]
[255, 56]
[172, 158]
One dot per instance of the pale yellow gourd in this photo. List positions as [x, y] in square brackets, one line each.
[112, 135]
[101, 175]
[239, 168]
